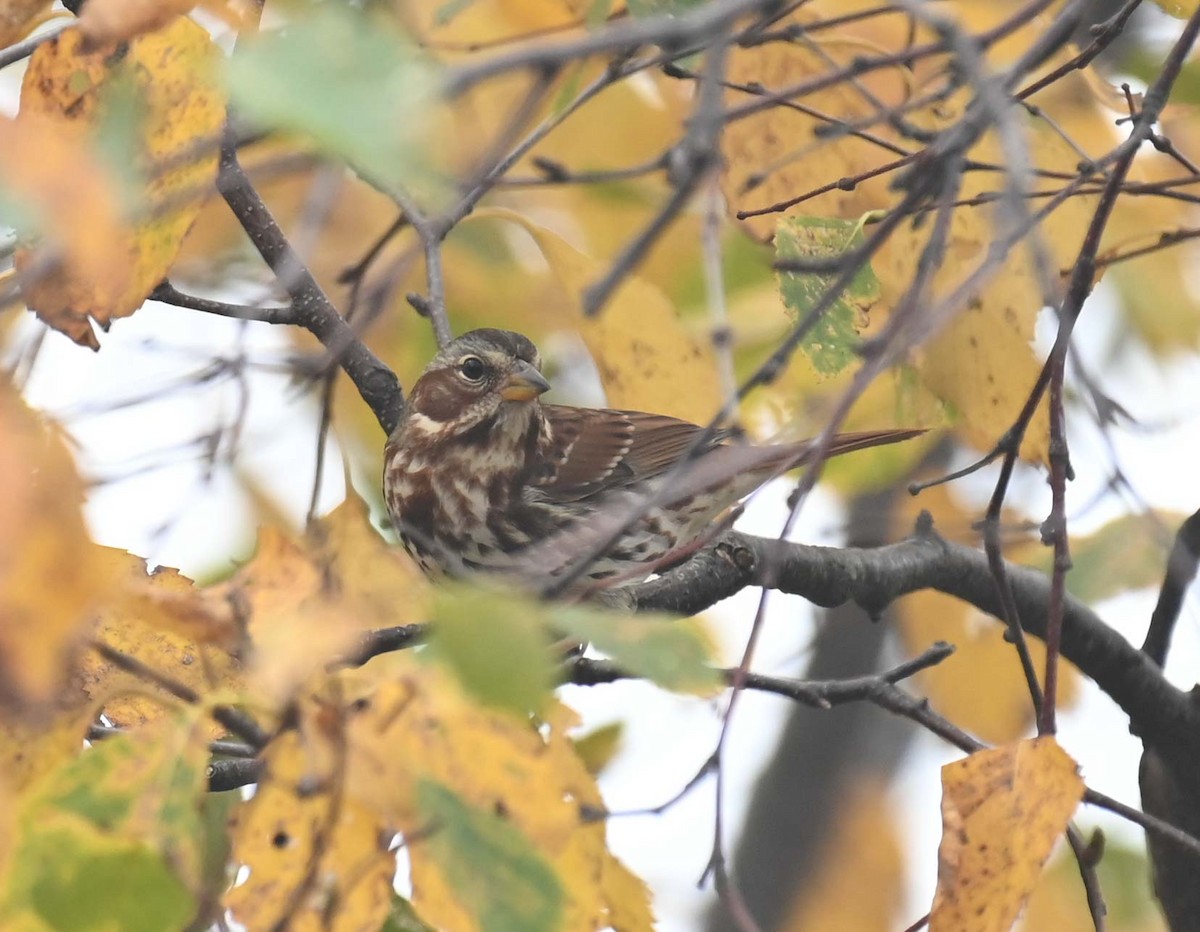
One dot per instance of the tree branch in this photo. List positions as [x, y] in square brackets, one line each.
[1159, 712]
[311, 308]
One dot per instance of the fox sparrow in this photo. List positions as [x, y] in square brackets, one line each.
[480, 475]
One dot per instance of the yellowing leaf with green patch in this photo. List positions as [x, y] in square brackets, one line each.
[170, 132]
[423, 727]
[800, 402]
[489, 866]
[71, 875]
[403, 918]
[298, 822]
[648, 359]
[831, 341]
[51, 574]
[124, 817]
[979, 361]
[1002, 812]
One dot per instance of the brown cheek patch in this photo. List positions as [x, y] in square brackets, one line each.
[438, 396]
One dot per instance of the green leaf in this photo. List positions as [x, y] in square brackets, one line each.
[674, 653]
[70, 875]
[496, 645]
[496, 872]
[341, 76]
[403, 918]
[598, 747]
[1128, 553]
[114, 839]
[216, 810]
[1124, 874]
[830, 344]
[660, 7]
[598, 12]
[119, 132]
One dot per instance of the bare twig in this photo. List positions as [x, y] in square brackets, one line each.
[313, 311]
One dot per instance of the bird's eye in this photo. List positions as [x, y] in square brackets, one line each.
[472, 368]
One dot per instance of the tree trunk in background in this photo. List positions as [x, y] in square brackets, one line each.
[800, 796]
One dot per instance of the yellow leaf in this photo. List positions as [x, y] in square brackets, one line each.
[51, 574]
[422, 727]
[105, 22]
[71, 202]
[299, 828]
[984, 367]
[648, 359]
[1002, 811]
[981, 364]
[484, 21]
[307, 602]
[1180, 9]
[108, 21]
[18, 18]
[182, 114]
[30, 751]
[164, 621]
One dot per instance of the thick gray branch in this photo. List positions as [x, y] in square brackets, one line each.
[1161, 714]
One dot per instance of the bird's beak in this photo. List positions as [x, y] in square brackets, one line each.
[524, 383]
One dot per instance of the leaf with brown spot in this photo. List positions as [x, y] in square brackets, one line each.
[1003, 809]
[300, 825]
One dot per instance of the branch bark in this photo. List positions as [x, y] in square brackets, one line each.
[311, 307]
[1159, 713]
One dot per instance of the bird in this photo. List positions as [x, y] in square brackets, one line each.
[481, 476]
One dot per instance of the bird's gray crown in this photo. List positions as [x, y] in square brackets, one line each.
[488, 340]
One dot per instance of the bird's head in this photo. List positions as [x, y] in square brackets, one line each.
[484, 375]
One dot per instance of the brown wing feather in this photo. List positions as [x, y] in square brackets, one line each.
[602, 447]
